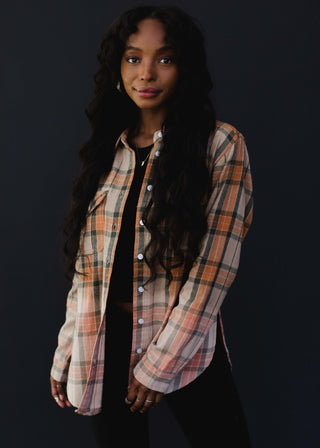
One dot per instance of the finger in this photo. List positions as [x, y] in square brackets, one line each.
[59, 401]
[132, 391]
[55, 392]
[60, 395]
[157, 399]
[63, 397]
[148, 403]
[131, 396]
[139, 401]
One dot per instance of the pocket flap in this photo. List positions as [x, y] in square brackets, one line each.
[96, 201]
[92, 234]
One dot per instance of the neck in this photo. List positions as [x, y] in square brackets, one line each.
[150, 121]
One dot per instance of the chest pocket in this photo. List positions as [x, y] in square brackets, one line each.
[93, 234]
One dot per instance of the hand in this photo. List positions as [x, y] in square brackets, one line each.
[141, 398]
[58, 391]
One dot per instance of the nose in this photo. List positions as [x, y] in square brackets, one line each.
[147, 71]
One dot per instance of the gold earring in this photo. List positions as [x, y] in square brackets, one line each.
[119, 86]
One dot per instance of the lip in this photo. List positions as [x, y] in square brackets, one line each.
[147, 92]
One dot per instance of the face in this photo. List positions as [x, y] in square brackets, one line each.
[148, 68]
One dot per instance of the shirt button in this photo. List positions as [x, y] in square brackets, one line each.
[141, 222]
[149, 187]
[141, 321]
[139, 350]
[157, 153]
[140, 256]
[160, 134]
[114, 226]
[141, 289]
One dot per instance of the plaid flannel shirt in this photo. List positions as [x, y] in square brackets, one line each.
[172, 342]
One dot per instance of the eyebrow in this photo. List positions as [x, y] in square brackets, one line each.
[159, 50]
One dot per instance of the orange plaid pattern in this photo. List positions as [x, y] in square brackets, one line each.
[172, 343]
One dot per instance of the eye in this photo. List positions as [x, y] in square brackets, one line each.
[132, 60]
[166, 60]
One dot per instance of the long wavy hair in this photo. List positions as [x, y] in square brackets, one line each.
[181, 178]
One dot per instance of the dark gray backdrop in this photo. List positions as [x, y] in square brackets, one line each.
[263, 57]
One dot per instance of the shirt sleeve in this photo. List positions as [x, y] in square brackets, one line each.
[62, 355]
[229, 217]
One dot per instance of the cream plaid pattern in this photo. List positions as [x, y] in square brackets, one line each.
[172, 343]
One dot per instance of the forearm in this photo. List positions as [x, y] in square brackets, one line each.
[62, 355]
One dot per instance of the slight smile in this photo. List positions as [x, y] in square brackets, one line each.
[147, 92]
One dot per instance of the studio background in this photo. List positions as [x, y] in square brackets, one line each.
[263, 57]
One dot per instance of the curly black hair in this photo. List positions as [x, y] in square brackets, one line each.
[181, 178]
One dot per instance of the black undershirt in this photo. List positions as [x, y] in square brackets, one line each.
[122, 272]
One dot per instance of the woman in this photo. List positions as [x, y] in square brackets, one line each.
[160, 208]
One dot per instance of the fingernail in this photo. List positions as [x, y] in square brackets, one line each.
[61, 397]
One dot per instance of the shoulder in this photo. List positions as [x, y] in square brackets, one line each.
[226, 129]
[224, 132]
[222, 140]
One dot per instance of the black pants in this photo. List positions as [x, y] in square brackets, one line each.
[208, 409]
